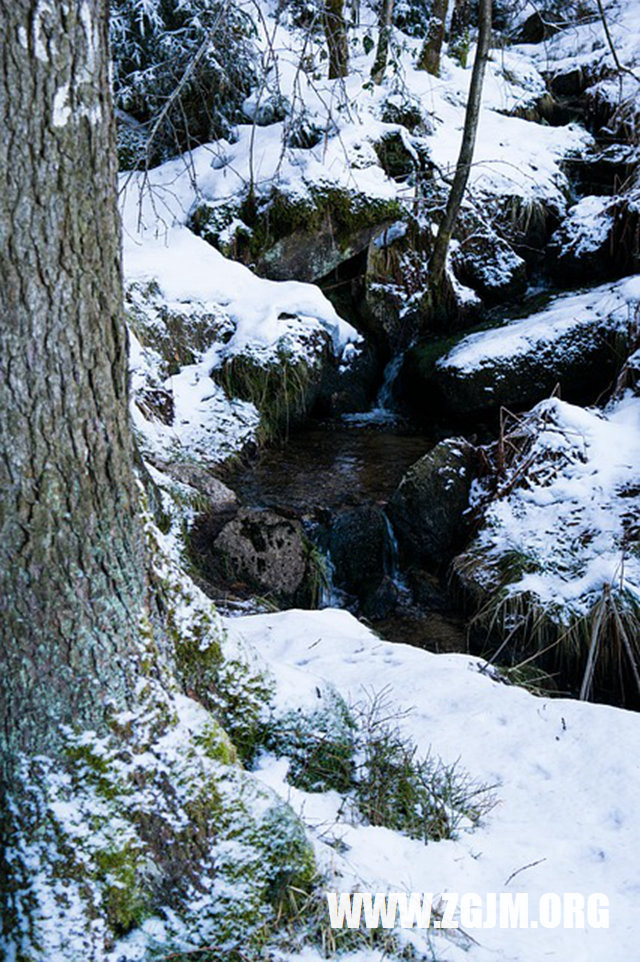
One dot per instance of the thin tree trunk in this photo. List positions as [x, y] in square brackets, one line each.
[431, 52]
[384, 38]
[463, 166]
[336, 34]
[71, 556]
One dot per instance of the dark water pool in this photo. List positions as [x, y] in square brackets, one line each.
[330, 465]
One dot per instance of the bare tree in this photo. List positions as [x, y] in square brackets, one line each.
[431, 52]
[336, 34]
[447, 225]
[384, 38]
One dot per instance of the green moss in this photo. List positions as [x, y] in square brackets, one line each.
[124, 900]
[290, 858]
[424, 356]
[282, 387]
[320, 745]
[268, 219]
[407, 113]
[396, 161]
[216, 744]
[242, 699]
[96, 768]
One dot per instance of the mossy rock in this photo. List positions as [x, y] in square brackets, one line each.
[133, 823]
[552, 638]
[407, 112]
[180, 337]
[271, 553]
[397, 161]
[428, 508]
[303, 236]
[283, 383]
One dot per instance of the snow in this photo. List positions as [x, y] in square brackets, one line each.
[566, 781]
[566, 314]
[516, 162]
[572, 512]
[588, 225]
[566, 784]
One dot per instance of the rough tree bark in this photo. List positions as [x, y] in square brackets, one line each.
[438, 259]
[431, 52]
[71, 557]
[336, 34]
[384, 38]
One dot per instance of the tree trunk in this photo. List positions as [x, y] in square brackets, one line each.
[463, 166]
[336, 34]
[430, 54]
[460, 17]
[384, 37]
[71, 555]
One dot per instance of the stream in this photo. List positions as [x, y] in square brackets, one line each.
[329, 466]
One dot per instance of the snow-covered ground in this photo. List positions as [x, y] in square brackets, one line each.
[566, 775]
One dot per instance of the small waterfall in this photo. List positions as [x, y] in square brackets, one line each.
[394, 571]
[383, 408]
[331, 596]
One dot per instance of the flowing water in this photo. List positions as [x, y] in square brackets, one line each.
[359, 459]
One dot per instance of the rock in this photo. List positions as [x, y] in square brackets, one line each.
[361, 550]
[576, 341]
[406, 111]
[267, 550]
[570, 83]
[427, 507]
[390, 257]
[179, 337]
[220, 497]
[381, 602]
[599, 240]
[557, 510]
[602, 170]
[489, 266]
[398, 156]
[283, 381]
[540, 26]
[580, 250]
[285, 236]
[427, 590]
[348, 383]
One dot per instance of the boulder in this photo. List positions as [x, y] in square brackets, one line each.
[575, 342]
[581, 249]
[303, 236]
[220, 497]
[427, 508]
[267, 550]
[381, 602]
[599, 240]
[361, 550]
[488, 265]
[282, 381]
[348, 383]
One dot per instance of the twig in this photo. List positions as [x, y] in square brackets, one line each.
[523, 869]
